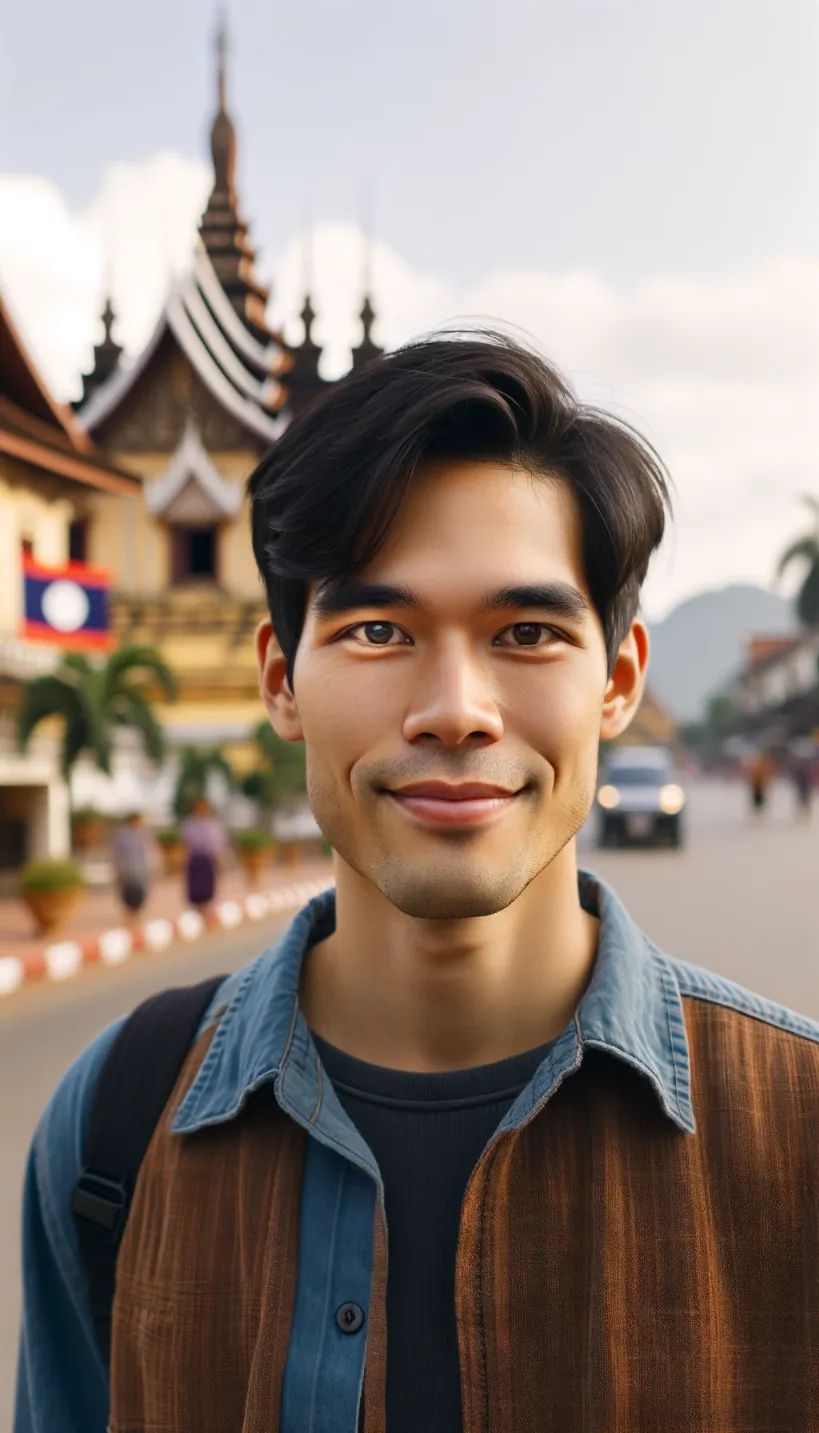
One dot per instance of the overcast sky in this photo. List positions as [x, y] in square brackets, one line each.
[633, 182]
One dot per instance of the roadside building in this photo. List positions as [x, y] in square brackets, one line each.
[52, 478]
[774, 698]
[653, 724]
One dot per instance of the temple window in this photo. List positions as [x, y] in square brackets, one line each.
[78, 540]
[194, 554]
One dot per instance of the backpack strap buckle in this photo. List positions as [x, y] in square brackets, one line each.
[102, 1202]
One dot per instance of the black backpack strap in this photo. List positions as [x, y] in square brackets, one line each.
[135, 1082]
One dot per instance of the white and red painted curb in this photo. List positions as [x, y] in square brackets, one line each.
[111, 947]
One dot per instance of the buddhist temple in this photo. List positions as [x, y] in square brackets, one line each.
[190, 417]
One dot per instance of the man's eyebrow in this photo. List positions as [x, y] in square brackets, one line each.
[559, 599]
[337, 598]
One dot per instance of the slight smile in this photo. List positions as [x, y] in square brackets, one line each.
[439, 804]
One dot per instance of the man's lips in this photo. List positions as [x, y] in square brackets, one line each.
[442, 804]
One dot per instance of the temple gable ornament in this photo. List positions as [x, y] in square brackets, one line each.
[192, 490]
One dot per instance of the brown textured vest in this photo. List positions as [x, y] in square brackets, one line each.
[615, 1274]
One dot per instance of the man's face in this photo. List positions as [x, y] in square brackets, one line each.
[452, 675]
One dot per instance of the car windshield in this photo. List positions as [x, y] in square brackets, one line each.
[638, 776]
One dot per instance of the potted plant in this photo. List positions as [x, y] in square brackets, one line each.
[88, 828]
[255, 848]
[169, 841]
[52, 890]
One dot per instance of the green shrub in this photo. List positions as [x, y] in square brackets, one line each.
[169, 836]
[51, 875]
[88, 813]
[253, 838]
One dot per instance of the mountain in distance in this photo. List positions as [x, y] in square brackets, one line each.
[701, 643]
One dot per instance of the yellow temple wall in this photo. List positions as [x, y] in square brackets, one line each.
[218, 688]
[239, 573]
[125, 538]
[24, 514]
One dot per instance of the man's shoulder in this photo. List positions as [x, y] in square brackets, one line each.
[61, 1131]
[741, 1041]
[60, 1135]
[701, 987]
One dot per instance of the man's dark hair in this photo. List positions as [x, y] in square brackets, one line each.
[324, 497]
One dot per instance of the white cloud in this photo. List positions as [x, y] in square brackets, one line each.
[56, 266]
[721, 372]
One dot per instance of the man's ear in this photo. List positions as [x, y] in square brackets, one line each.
[279, 702]
[626, 683]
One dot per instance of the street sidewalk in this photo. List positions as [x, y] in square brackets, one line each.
[98, 934]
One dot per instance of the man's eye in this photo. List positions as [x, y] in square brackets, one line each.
[527, 634]
[377, 634]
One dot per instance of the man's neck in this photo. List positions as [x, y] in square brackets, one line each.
[445, 995]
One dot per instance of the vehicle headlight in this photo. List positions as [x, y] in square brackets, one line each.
[608, 797]
[672, 799]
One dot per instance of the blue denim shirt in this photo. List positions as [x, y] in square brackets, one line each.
[632, 1009]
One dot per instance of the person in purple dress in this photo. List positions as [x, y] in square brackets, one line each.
[205, 841]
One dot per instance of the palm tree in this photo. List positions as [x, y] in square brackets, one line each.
[97, 698]
[806, 549]
[196, 766]
[281, 774]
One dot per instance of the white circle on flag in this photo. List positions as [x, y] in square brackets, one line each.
[65, 605]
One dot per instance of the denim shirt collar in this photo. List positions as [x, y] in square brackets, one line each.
[632, 1009]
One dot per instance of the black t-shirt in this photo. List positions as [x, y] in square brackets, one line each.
[427, 1133]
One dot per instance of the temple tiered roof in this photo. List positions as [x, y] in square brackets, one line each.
[215, 315]
[223, 231]
[238, 370]
[243, 380]
[39, 435]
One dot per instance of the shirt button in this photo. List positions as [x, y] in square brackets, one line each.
[350, 1318]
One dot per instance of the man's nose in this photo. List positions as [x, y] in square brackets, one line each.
[453, 699]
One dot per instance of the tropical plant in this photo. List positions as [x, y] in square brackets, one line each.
[53, 890]
[169, 836]
[95, 699]
[281, 775]
[806, 550]
[51, 875]
[197, 764]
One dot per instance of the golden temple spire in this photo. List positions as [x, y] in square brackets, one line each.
[223, 230]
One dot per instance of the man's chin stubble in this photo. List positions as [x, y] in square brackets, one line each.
[433, 892]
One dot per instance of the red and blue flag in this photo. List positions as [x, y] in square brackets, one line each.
[67, 606]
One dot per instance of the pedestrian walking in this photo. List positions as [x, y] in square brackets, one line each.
[802, 775]
[205, 841]
[760, 774]
[464, 1151]
[130, 849]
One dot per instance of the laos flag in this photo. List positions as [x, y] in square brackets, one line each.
[67, 606]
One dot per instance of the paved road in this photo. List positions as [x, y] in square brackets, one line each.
[743, 900]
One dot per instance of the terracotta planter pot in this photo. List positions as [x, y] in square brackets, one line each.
[290, 853]
[173, 859]
[254, 862]
[52, 910]
[88, 834]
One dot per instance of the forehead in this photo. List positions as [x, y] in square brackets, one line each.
[481, 521]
